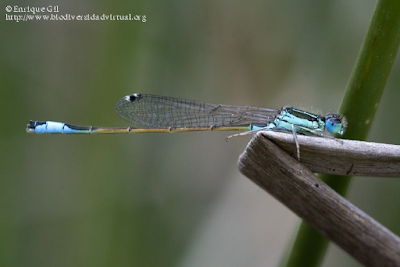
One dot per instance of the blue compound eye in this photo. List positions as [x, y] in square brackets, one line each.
[335, 124]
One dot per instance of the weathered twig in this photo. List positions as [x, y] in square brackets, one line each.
[300, 190]
[342, 157]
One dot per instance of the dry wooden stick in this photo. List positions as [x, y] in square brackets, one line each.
[342, 157]
[299, 189]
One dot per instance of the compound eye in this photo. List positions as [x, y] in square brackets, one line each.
[334, 125]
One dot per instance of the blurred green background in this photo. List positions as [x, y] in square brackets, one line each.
[168, 199]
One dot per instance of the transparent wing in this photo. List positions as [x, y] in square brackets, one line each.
[151, 111]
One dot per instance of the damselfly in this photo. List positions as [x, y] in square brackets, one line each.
[156, 114]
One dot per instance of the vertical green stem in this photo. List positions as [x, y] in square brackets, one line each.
[359, 105]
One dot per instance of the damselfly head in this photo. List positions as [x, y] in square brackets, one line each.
[335, 123]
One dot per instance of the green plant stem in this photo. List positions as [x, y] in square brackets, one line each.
[359, 105]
